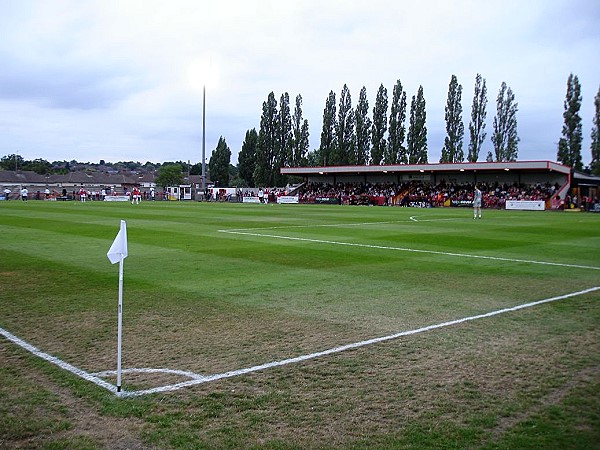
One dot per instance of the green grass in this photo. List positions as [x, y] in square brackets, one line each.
[201, 300]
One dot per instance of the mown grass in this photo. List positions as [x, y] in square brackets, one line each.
[202, 300]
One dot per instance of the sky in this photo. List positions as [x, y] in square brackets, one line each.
[122, 80]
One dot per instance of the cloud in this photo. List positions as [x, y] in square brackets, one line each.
[61, 86]
[121, 67]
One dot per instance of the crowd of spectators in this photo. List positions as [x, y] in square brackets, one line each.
[423, 194]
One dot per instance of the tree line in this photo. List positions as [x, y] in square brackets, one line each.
[350, 136]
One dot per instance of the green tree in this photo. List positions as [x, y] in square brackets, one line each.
[379, 126]
[218, 165]
[455, 129]
[314, 158]
[300, 133]
[283, 155]
[38, 165]
[247, 157]
[477, 124]
[346, 137]
[151, 166]
[417, 131]
[327, 146]
[169, 175]
[505, 138]
[234, 177]
[363, 129]
[569, 145]
[595, 144]
[11, 162]
[196, 169]
[268, 138]
[396, 151]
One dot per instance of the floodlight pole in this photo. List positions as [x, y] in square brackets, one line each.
[203, 139]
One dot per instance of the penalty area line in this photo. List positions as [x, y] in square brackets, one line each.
[343, 225]
[411, 250]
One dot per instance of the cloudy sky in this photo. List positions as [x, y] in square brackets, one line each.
[121, 80]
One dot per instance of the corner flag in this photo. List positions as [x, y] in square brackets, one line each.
[116, 254]
[118, 249]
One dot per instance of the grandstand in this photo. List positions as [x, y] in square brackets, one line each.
[444, 184]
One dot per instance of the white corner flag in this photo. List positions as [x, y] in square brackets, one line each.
[118, 249]
[116, 254]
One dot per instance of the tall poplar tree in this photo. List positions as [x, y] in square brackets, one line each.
[283, 154]
[346, 137]
[396, 151]
[328, 132]
[218, 164]
[300, 142]
[247, 157]
[417, 131]
[595, 145]
[569, 145]
[455, 129]
[268, 138]
[363, 129]
[505, 138]
[477, 124]
[379, 126]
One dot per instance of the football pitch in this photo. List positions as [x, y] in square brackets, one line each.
[299, 326]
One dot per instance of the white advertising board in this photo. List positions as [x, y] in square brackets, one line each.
[287, 199]
[117, 198]
[529, 205]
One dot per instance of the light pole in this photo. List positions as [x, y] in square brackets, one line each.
[200, 72]
[203, 139]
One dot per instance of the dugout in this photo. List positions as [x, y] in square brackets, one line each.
[520, 172]
[585, 192]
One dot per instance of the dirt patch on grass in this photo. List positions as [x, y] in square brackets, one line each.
[480, 379]
[472, 379]
[579, 379]
[67, 418]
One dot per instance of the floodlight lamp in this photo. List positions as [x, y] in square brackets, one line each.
[202, 73]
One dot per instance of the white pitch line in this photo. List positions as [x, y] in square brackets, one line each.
[200, 379]
[297, 359]
[412, 250]
[324, 225]
[414, 219]
[343, 225]
[58, 362]
[183, 373]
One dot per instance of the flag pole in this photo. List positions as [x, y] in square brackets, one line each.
[119, 325]
[117, 253]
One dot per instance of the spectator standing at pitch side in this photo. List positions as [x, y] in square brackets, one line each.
[24, 193]
[477, 203]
